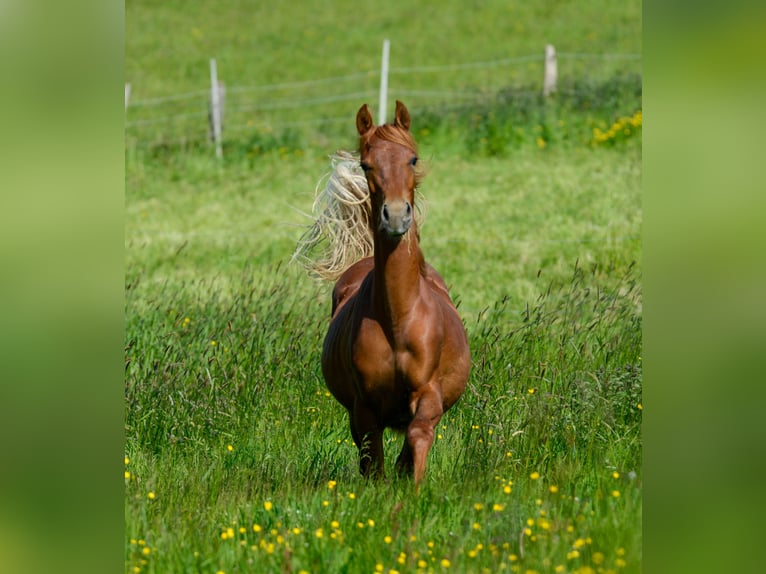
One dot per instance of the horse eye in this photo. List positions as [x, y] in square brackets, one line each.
[413, 161]
[365, 167]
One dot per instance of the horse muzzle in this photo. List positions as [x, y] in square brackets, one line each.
[396, 218]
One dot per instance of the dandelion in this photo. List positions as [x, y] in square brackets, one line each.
[478, 506]
[509, 454]
[146, 551]
[325, 503]
[151, 495]
[598, 558]
[620, 563]
[387, 539]
[331, 484]
[127, 474]
[445, 563]
[257, 528]
[507, 489]
[540, 143]
[573, 554]
[127, 460]
[554, 489]
[296, 531]
[229, 447]
[616, 493]
[422, 563]
[476, 526]
[319, 533]
[531, 391]
[213, 343]
[640, 408]
[615, 474]
[268, 506]
[379, 567]
[351, 495]
[498, 507]
[370, 522]
[535, 475]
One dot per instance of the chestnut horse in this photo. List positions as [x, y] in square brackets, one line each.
[396, 353]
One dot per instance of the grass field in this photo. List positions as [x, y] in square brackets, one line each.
[236, 457]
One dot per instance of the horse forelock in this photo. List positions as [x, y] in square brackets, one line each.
[394, 134]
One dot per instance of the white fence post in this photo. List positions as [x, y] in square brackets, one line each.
[551, 71]
[383, 83]
[216, 108]
[127, 95]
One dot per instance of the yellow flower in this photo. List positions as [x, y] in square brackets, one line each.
[540, 143]
[498, 507]
[127, 474]
[507, 489]
[620, 563]
[616, 493]
[335, 524]
[151, 495]
[268, 505]
[256, 527]
[554, 489]
[379, 567]
[319, 533]
[478, 506]
[445, 563]
[331, 484]
[296, 531]
[213, 343]
[371, 522]
[146, 551]
[422, 563]
[387, 539]
[351, 495]
[531, 391]
[476, 526]
[616, 474]
[127, 460]
[598, 557]
[535, 475]
[229, 447]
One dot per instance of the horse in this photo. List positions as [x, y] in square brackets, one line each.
[396, 353]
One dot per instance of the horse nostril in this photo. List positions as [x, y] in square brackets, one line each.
[408, 209]
[385, 213]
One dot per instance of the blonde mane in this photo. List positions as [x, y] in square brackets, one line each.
[341, 233]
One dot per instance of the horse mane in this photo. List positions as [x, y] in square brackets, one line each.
[341, 233]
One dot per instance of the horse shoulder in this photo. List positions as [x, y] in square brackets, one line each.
[349, 282]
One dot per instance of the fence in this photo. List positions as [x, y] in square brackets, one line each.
[223, 111]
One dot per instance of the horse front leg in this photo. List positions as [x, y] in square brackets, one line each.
[420, 432]
[368, 436]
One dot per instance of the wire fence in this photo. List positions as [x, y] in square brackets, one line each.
[319, 104]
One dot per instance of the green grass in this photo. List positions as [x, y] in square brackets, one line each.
[536, 228]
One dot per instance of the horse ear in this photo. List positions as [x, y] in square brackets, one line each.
[402, 116]
[364, 120]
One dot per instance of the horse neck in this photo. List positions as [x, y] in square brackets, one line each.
[398, 272]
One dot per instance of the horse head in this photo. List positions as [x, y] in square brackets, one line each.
[388, 157]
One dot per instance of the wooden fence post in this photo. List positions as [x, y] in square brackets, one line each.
[383, 83]
[216, 108]
[551, 71]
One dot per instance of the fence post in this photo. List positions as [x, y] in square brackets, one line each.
[216, 108]
[127, 95]
[383, 83]
[551, 71]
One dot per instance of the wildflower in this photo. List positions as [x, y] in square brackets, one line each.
[445, 563]
[331, 484]
[213, 343]
[127, 460]
[598, 557]
[351, 495]
[268, 505]
[146, 551]
[507, 489]
[476, 526]
[616, 474]
[325, 503]
[620, 563]
[319, 533]
[379, 567]
[478, 506]
[616, 493]
[573, 554]
[498, 507]
[535, 475]
[296, 531]
[151, 495]
[422, 563]
[387, 539]
[540, 143]
[229, 447]
[640, 408]
[554, 489]
[559, 568]
[127, 474]
[256, 527]
[370, 522]
[531, 391]
[402, 559]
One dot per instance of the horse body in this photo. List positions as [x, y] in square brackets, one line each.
[396, 353]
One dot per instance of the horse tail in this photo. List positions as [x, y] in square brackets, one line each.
[341, 234]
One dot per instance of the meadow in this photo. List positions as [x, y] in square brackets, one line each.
[236, 457]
